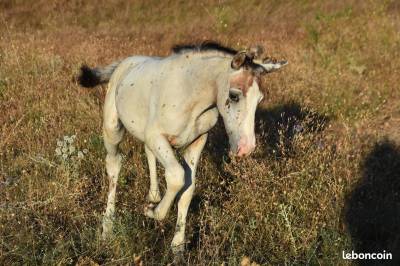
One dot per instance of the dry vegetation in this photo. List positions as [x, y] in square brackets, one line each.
[326, 175]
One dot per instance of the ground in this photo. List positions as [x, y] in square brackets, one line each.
[325, 177]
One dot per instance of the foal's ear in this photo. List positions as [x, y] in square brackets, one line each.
[255, 51]
[238, 60]
[271, 65]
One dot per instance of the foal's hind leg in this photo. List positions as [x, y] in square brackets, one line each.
[113, 132]
[154, 191]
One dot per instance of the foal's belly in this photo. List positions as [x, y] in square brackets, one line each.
[136, 124]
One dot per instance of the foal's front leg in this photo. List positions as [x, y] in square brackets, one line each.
[174, 174]
[191, 156]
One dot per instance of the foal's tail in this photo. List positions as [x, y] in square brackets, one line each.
[90, 77]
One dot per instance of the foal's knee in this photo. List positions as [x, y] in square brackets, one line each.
[175, 177]
[113, 165]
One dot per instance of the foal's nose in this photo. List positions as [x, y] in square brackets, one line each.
[246, 147]
[245, 151]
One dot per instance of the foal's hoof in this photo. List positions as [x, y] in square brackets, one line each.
[149, 210]
[178, 249]
[105, 235]
[107, 228]
[179, 254]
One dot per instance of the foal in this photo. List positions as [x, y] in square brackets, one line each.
[172, 102]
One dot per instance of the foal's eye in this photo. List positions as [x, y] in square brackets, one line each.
[234, 97]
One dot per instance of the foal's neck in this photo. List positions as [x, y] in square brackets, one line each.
[214, 70]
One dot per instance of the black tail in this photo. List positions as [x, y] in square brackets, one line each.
[88, 77]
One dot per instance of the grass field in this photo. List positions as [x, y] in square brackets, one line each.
[325, 177]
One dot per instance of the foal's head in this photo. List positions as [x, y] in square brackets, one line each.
[238, 100]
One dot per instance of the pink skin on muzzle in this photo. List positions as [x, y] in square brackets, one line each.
[246, 146]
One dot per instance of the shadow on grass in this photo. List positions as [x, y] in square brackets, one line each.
[373, 208]
[275, 129]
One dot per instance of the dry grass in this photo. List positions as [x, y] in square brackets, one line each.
[325, 177]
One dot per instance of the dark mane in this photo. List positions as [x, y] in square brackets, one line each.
[203, 47]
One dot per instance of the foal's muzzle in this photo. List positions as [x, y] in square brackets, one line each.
[245, 146]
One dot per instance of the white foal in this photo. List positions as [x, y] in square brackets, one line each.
[172, 102]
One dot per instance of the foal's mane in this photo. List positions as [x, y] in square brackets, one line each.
[208, 46]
